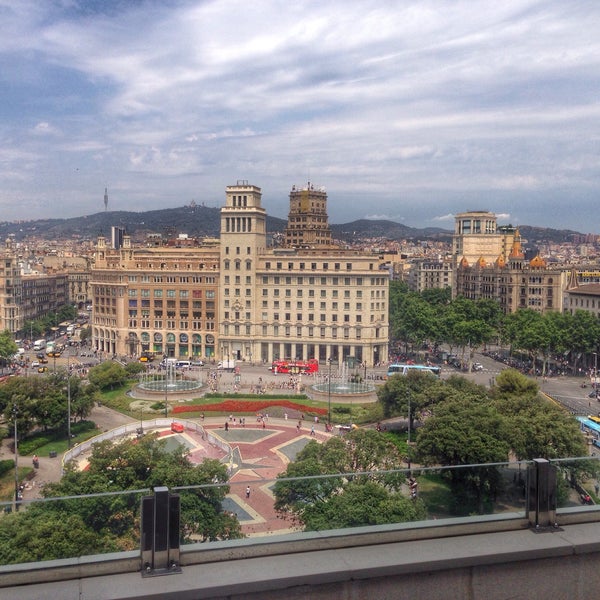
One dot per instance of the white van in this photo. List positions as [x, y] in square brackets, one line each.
[180, 364]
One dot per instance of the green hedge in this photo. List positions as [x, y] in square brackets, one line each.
[6, 466]
[37, 440]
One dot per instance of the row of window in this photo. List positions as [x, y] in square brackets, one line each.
[300, 331]
[134, 323]
[170, 279]
[170, 293]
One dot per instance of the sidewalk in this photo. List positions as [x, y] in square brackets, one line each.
[50, 469]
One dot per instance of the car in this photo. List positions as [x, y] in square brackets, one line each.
[35, 363]
[42, 369]
[197, 363]
[40, 355]
[177, 427]
[477, 367]
[594, 394]
[43, 360]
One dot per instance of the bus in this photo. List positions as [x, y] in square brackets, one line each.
[295, 367]
[403, 369]
[591, 425]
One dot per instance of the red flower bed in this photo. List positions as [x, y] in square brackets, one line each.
[244, 406]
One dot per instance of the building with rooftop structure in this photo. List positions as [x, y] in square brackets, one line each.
[240, 298]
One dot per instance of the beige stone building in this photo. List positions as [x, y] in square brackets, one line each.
[430, 273]
[477, 235]
[241, 298]
[161, 300]
[27, 297]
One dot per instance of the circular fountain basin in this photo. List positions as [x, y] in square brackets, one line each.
[174, 389]
[344, 392]
[344, 389]
[183, 385]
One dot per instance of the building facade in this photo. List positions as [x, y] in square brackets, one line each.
[161, 300]
[427, 273]
[27, 297]
[237, 298]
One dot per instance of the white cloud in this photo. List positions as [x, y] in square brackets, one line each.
[412, 108]
[44, 128]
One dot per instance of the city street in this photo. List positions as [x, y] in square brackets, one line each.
[564, 389]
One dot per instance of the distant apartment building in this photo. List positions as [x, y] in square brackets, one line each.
[513, 281]
[116, 237]
[27, 297]
[580, 294]
[430, 273]
[238, 298]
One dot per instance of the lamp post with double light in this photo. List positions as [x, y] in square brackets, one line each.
[329, 393]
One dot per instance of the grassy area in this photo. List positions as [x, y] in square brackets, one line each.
[61, 445]
[435, 492]
[42, 442]
[118, 399]
[7, 482]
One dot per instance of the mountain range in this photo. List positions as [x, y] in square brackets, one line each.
[204, 221]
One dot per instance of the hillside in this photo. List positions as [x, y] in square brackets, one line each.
[204, 221]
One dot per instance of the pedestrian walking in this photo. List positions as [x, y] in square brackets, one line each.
[248, 492]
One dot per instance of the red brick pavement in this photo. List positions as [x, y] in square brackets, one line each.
[261, 461]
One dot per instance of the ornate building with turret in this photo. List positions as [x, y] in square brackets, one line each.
[513, 281]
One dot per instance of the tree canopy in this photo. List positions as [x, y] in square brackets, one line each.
[110, 522]
[344, 500]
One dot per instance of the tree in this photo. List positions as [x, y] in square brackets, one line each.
[584, 332]
[353, 462]
[362, 504]
[35, 535]
[108, 374]
[463, 432]
[8, 348]
[110, 522]
[470, 324]
[539, 429]
[415, 321]
[419, 389]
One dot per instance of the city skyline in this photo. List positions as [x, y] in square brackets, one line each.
[407, 111]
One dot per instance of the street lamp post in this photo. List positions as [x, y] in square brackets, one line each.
[15, 413]
[329, 393]
[69, 400]
[166, 389]
[595, 372]
[408, 440]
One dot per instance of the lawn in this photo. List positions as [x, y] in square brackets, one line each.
[434, 490]
[210, 405]
[7, 483]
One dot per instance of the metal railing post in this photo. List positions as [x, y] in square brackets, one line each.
[159, 528]
[541, 503]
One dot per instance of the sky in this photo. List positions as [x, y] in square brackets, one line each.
[407, 111]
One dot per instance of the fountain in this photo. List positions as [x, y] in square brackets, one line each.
[341, 386]
[168, 381]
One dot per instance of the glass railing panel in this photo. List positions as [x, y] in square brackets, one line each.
[69, 526]
[75, 526]
[577, 481]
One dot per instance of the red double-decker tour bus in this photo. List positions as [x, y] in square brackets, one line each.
[295, 367]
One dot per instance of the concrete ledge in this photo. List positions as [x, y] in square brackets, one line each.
[465, 566]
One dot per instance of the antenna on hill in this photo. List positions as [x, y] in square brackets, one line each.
[105, 199]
